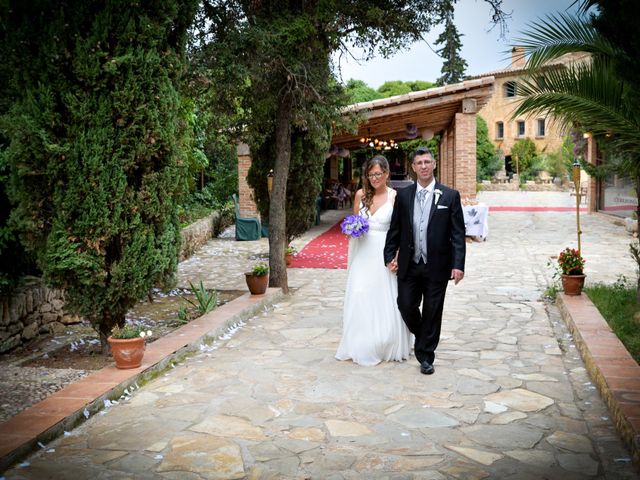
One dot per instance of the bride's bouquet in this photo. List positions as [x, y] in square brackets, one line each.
[355, 226]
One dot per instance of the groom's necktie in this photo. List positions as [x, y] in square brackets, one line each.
[422, 195]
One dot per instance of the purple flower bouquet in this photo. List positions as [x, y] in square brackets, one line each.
[355, 226]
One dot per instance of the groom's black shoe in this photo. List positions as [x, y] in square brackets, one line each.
[426, 368]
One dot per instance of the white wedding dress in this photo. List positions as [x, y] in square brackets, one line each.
[373, 329]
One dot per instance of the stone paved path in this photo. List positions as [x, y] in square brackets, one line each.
[510, 398]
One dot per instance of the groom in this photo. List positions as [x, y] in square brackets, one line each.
[427, 233]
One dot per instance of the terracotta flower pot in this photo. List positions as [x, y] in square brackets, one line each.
[572, 284]
[257, 284]
[127, 352]
[288, 258]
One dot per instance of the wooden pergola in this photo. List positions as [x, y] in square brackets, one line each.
[448, 111]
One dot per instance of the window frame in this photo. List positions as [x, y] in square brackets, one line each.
[524, 129]
[499, 132]
[511, 89]
[543, 122]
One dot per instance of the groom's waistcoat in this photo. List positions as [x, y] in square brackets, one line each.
[420, 223]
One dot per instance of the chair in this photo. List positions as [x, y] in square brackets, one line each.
[583, 191]
[247, 228]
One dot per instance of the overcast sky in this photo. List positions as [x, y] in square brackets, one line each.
[483, 49]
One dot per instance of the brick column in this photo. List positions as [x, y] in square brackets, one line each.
[447, 158]
[442, 157]
[464, 179]
[248, 206]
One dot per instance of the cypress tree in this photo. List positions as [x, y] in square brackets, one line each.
[96, 144]
[454, 65]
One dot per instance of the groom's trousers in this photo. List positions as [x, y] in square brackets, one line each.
[421, 286]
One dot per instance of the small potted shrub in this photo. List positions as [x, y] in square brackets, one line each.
[258, 278]
[128, 344]
[289, 253]
[571, 266]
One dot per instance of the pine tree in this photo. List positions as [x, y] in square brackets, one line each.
[454, 65]
[97, 141]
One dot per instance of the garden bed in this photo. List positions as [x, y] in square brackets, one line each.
[80, 347]
[34, 371]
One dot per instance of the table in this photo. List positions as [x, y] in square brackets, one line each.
[476, 220]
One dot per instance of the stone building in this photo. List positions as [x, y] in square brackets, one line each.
[504, 130]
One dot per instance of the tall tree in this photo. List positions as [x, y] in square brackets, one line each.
[358, 91]
[97, 142]
[285, 49]
[454, 65]
[391, 88]
[398, 87]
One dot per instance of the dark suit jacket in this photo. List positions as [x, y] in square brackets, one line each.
[446, 245]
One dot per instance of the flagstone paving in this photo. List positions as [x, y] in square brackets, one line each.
[510, 399]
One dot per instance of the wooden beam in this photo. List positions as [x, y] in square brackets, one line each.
[426, 103]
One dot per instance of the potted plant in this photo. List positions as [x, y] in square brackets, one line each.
[127, 344]
[289, 253]
[571, 266]
[258, 278]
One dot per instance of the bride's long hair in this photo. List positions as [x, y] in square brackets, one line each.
[367, 198]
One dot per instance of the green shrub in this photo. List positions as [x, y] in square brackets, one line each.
[130, 330]
[523, 154]
[488, 159]
[205, 300]
[260, 269]
[97, 139]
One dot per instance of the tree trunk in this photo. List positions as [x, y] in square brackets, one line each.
[277, 205]
[637, 179]
[104, 330]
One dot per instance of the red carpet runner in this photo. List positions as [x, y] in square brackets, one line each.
[329, 250]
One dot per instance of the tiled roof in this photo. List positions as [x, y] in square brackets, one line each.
[563, 60]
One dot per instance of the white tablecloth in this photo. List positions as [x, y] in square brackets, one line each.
[476, 220]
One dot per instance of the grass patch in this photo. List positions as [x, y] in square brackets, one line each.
[617, 304]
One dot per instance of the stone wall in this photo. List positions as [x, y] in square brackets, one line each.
[32, 310]
[515, 186]
[35, 309]
[197, 234]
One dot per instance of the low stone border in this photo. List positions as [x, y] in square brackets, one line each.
[612, 368]
[197, 234]
[65, 409]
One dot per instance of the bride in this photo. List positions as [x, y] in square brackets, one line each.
[373, 330]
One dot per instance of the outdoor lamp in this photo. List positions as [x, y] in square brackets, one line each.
[270, 181]
[576, 171]
[576, 182]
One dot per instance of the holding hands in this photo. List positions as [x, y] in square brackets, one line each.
[393, 264]
[456, 276]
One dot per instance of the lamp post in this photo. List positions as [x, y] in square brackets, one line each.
[576, 182]
[270, 182]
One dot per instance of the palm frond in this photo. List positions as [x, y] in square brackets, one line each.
[590, 95]
[557, 35]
